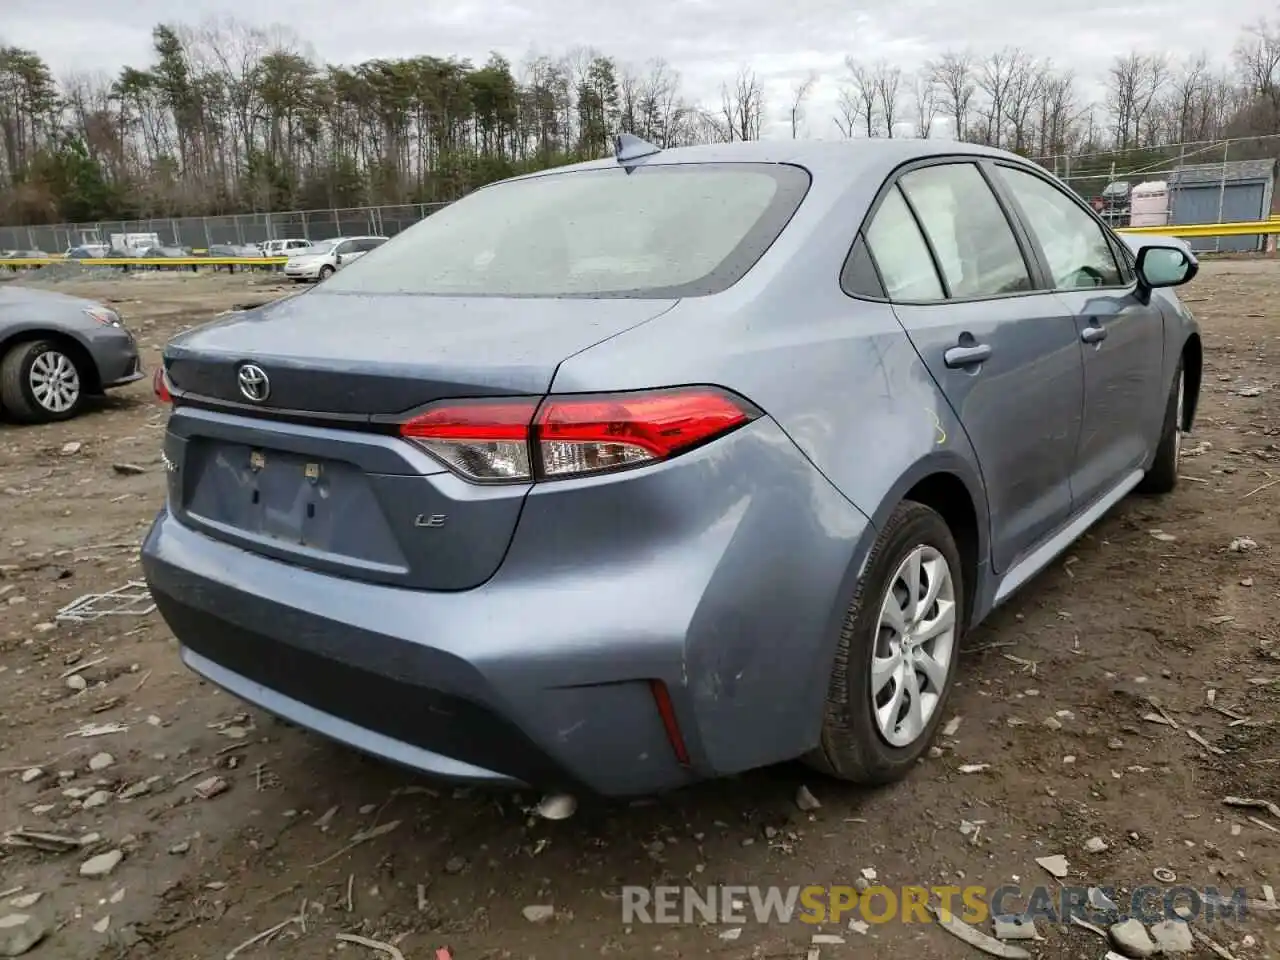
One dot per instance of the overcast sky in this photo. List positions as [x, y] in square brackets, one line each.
[706, 40]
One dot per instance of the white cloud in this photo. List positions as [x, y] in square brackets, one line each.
[706, 40]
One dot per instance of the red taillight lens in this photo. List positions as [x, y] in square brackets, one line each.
[569, 436]
[580, 435]
[480, 439]
[160, 384]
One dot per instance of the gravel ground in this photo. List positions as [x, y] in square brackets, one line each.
[1053, 705]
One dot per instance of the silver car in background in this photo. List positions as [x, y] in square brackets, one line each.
[56, 350]
[322, 260]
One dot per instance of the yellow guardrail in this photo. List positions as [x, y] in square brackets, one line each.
[150, 261]
[1244, 228]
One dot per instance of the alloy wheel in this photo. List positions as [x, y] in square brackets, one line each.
[914, 646]
[55, 381]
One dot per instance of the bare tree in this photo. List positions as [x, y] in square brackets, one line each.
[863, 95]
[629, 84]
[847, 110]
[742, 106]
[706, 126]
[799, 95]
[1257, 57]
[1059, 114]
[995, 77]
[658, 113]
[1027, 81]
[926, 104]
[952, 77]
[1183, 97]
[1133, 84]
[888, 80]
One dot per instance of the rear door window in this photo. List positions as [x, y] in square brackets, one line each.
[976, 248]
[900, 253]
[663, 230]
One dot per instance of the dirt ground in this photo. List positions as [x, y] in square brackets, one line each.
[1053, 695]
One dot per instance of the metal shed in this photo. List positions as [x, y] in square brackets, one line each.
[1222, 193]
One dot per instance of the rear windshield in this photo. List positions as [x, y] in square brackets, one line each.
[663, 231]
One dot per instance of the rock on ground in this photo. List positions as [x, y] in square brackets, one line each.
[19, 932]
[1131, 939]
[1172, 936]
[102, 864]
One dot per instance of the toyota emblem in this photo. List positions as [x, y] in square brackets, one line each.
[254, 383]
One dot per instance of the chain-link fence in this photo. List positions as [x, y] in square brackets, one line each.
[200, 233]
[1211, 181]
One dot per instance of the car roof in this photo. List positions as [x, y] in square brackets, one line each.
[847, 159]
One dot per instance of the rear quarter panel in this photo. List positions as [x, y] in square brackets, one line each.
[838, 376]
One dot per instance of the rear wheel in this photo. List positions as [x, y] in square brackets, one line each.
[41, 382]
[897, 653]
[1163, 475]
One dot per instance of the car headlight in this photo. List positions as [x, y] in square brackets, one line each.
[108, 318]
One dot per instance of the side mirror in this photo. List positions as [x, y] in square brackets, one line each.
[1165, 266]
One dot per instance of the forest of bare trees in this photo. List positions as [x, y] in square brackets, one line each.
[233, 118]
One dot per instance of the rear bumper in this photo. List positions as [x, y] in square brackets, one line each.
[542, 675]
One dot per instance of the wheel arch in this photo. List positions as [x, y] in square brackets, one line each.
[948, 496]
[74, 348]
[950, 484]
[1192, 373]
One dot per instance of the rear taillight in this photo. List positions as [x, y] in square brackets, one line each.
[496, 441]
[160, 384]
[481, 440]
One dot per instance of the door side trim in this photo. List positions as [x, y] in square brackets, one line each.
[1039, 558]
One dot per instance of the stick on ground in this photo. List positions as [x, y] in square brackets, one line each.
[386, 948]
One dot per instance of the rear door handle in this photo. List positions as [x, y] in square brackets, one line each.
[967, 356]
[1093, 334]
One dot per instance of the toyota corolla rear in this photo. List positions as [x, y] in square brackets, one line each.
[384, 523]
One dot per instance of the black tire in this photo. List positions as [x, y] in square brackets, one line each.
[325, 272]
[1163, 475]
[17, 395]
[852, 746]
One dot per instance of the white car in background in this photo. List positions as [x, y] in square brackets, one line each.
[283, 248]
[321, 260]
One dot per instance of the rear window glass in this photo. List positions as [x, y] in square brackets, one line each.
[660, 231]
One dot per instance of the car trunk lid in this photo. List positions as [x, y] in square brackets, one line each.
[314, 473]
